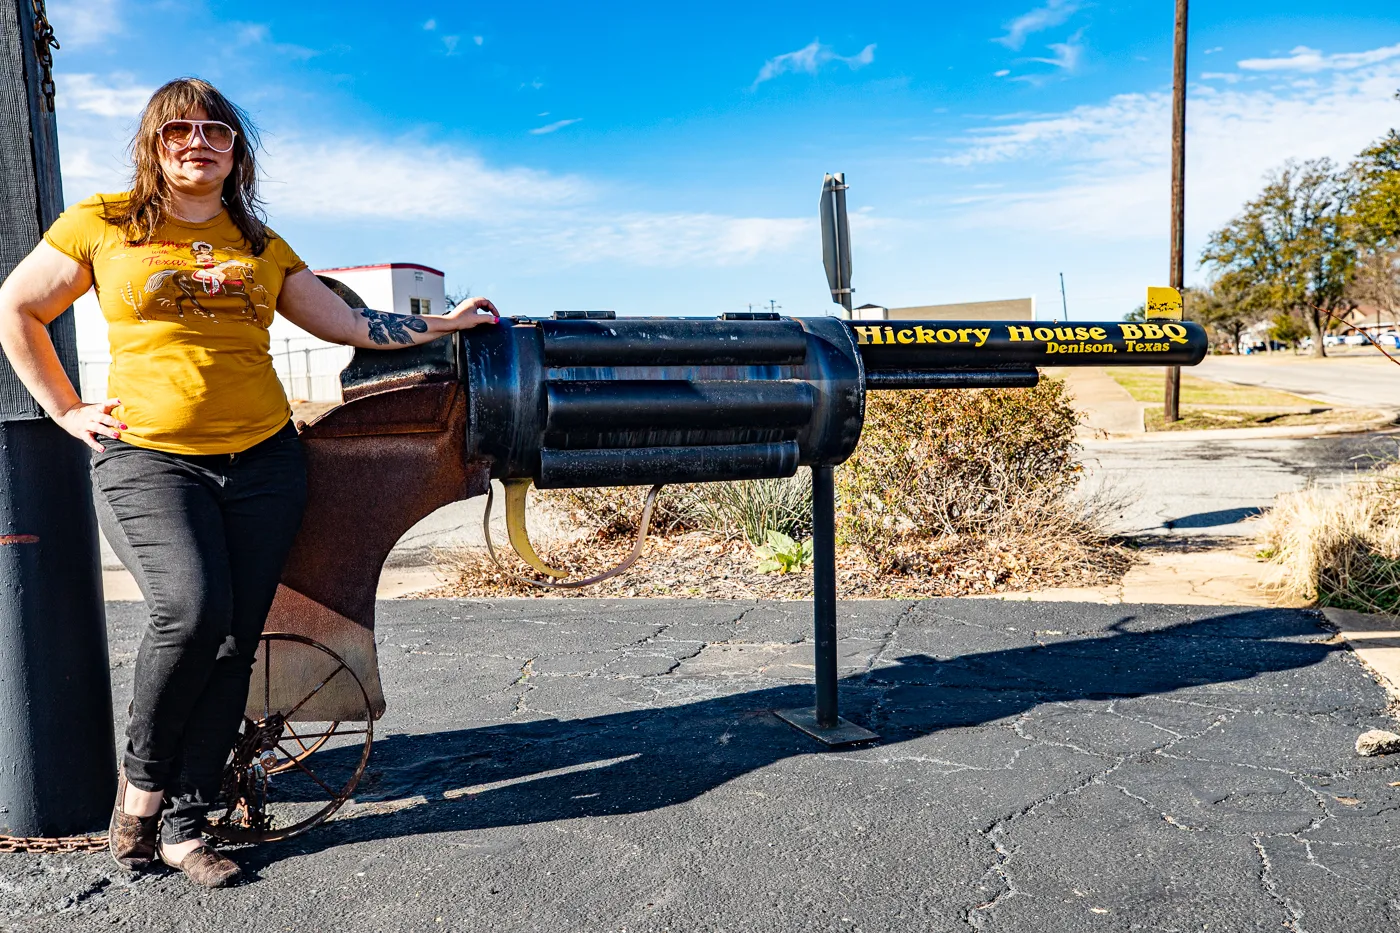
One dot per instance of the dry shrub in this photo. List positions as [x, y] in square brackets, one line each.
[950, 477]
[1340, 546]
[950, 493]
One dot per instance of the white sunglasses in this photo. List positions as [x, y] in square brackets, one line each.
[179, 134]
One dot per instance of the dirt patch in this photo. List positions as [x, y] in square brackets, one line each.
[696, 565]
[1196, 419]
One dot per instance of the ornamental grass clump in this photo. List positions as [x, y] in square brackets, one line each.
[1338, 546]
[751, 508]
[949, 482]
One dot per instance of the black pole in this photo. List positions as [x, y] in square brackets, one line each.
[823, 722]
[824, 593]
[57, 776]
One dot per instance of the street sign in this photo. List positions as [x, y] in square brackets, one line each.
[1163, 303]
[836, 240]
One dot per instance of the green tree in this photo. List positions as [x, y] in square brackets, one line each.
[1376, 207]
[1287, 329]
[1290, 248]
[1376, 220]
[1220, 311]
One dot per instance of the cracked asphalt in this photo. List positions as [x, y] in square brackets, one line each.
[574, 765]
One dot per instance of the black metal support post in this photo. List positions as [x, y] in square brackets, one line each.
[57, 773]
[824, 722]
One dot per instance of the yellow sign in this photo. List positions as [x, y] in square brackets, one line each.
[1163, 303]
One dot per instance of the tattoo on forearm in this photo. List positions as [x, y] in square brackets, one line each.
[392, 328]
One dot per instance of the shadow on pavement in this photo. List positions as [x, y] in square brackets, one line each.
[1213, 519]
[536, 771]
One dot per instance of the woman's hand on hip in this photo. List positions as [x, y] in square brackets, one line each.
[469, 314]
[86, 421]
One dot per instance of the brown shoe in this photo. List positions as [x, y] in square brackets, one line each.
[131, 839]
[208, 866]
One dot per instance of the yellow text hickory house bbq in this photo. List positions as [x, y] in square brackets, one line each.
[1137, 338]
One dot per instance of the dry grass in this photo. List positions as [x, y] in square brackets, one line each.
[1148, 384]
[1339, 547]
[695, 564]
[1196, 419]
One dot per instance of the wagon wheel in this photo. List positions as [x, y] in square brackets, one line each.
[290, 770]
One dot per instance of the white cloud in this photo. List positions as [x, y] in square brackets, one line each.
[479, 39]
[77, 23]
[1305, 59]
[533, 217]
[809, 60]
[1052, 14]
[89, 93]
[451, 43]
[1002, 73]
[430, 25]
[1067, 55]
[553, 127]
[1103, 169]
[404, 180]
[675, 239]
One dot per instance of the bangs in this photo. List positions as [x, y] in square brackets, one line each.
[179, 99]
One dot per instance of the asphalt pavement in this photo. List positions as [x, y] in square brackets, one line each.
[552, 765]
[1354, 378]
[1213, 486]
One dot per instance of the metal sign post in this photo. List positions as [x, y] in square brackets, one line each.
[823, 721]
[57, 774]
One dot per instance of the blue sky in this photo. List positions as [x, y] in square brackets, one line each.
[667, 158]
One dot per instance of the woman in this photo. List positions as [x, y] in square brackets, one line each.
[198, 471]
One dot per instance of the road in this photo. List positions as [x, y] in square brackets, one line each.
[1210, 487]
[1357, 381]
[552, 765]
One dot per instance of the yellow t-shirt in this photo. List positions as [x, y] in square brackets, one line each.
[187, 318]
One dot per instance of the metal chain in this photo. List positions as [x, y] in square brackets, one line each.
[44, 42]
[94, 843]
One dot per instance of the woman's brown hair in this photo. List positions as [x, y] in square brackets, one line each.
[141, 214]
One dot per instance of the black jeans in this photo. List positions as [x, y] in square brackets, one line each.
[206, 538]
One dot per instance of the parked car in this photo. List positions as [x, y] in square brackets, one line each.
[1389, 339]
[1357, 339]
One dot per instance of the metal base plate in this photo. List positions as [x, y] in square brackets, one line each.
[843, 733]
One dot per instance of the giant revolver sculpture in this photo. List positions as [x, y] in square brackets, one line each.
[589, 400]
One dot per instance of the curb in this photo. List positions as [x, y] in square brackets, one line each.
[1375, 640]
[1388, 420]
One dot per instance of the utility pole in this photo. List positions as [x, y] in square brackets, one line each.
[57, 769]
[1064, 302]
[1172, 409]
[773, 307]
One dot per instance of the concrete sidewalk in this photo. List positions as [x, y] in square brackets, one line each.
[1108, 408]
[590, 765]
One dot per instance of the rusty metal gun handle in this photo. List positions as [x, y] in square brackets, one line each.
[516, 491]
